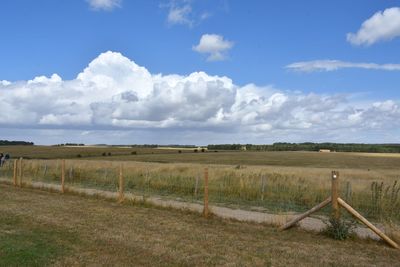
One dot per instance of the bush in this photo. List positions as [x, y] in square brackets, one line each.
[179, 151]
[79, 156]
[195, 151]
[109, 153]
[133, 153]
[104, 154]
[339, 229]
[203, 150]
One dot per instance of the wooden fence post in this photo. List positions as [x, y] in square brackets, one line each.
[121, 185]
[15, 172]
[63, 176]
[335, 195]
[205, 211]
[20, 174]
[305, 214]
[367, 223]
[262, 187]
[45, 170]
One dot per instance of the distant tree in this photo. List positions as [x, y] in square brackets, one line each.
[15, 143]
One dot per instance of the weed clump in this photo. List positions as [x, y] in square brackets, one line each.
[339, 229]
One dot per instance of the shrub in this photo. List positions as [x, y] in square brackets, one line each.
[109, 153]
[203, 150]
[104, 154]
[133, 153]
[179, 151]
[195, 150]
[79, 156]
[339, 229]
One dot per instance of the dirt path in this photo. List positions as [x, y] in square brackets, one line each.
[315, 224]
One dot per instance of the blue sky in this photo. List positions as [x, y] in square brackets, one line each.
[273, 45]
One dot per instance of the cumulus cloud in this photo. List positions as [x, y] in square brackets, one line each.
[214, 45]
[332, 65]
[104, 4]
[115, 94]
[382, 26]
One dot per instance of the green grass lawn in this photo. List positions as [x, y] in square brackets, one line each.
[25, 242]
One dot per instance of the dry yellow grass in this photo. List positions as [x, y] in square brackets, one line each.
[91, 232]
[373, 192]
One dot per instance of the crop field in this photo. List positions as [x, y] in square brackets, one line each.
[41, 228]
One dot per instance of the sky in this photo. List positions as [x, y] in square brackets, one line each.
[199, 71]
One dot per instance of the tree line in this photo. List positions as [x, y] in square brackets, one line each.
[308, 146]
[15, 143]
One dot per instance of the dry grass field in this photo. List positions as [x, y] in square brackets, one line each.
[41, 228]
[44, 228]
[274, 181]
[339, 160]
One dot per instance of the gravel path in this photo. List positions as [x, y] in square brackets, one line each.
[315, 224]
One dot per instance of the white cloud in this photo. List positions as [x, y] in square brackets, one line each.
[104, 4]
[180, 14]
[214, 45]
[382, 26]
[114, 96]
[332, 65]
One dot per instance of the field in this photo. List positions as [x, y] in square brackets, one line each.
[272, 182]
[40, 228]
[362, 161]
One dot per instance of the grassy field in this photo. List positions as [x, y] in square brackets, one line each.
[340, 160]
[273, 181]
[68, 152]
[41, 228]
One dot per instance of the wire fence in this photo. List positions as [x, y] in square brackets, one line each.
[270, 192]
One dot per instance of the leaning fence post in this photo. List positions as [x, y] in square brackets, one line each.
[121, 185]
[335, 195]
[20, 172]
[205, 211]
[63, 176]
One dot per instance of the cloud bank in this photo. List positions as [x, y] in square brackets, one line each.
[332, 65]
[382, 26]
[115, 94]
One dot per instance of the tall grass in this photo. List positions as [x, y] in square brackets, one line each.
[274, 189]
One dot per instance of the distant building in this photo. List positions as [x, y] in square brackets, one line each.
[325, 150]
[244, 148]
